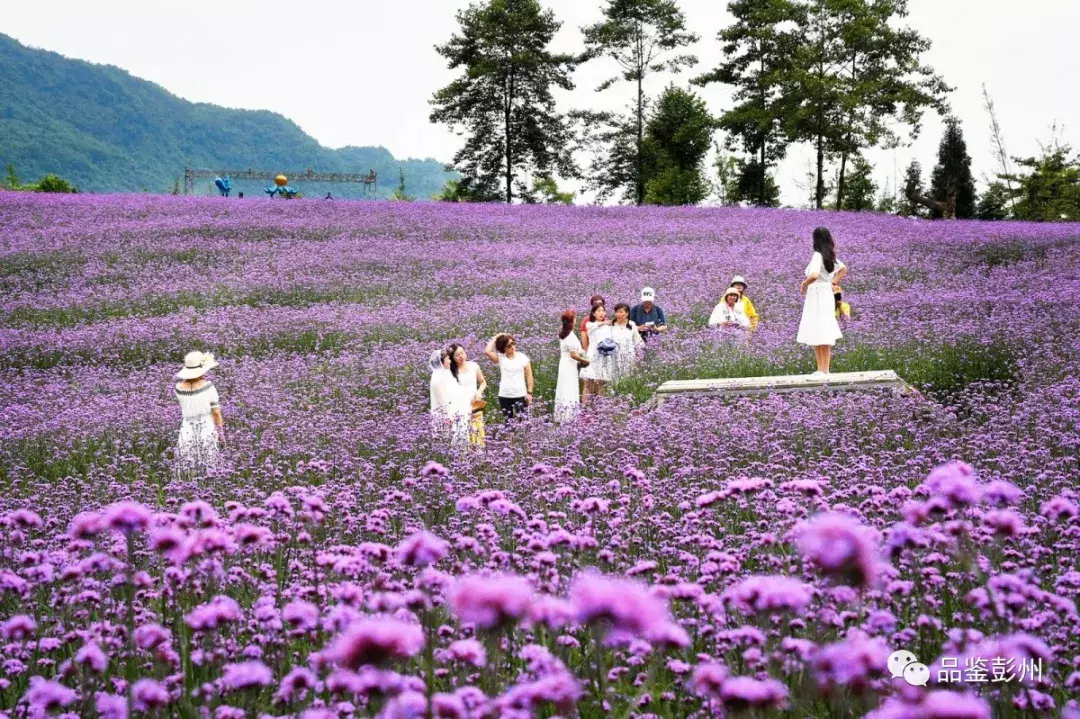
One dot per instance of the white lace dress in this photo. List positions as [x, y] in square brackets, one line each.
[629, 342]
[197, 445]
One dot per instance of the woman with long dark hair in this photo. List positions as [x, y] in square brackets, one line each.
[819, 328]
[471, 388]
[601, 354]
[627, 338]
[571, 358]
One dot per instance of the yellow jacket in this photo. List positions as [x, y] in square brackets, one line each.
[748, 308]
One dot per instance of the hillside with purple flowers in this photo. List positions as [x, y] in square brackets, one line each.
[755, 557]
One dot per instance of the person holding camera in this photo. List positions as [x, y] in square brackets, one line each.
[571, 359]
[648, 316]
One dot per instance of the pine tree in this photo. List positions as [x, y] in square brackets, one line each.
[677, 139]
[755, 184]
[503, 98]
[401, 194]
[757, 53]
[855, 74]
[12, 181]
[913, 187]
[952, 188]
[860, 187]
[641, 36]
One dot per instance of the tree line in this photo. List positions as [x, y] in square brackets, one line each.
[842, 76]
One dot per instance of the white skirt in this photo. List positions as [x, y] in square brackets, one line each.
[567, 392]
[197, 445]
[818, 325]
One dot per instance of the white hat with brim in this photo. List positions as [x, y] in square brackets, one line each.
[196, 364]
[731, 291]
[738, 280]
[648, 294]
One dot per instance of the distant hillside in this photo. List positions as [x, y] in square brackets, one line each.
[108, 131]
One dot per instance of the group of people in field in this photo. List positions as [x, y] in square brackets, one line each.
[606, 346]
[607, 350]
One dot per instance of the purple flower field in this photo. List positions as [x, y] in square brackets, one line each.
[754, 557]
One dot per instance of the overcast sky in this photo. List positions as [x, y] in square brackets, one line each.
[361, 72]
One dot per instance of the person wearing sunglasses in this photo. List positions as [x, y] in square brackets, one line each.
[515, 375]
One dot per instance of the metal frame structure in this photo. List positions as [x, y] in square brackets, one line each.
[370, 181]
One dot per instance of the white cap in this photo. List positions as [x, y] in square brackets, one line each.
[738, 280]
[648, 294]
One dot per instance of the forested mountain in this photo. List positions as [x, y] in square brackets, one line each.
[108, 131]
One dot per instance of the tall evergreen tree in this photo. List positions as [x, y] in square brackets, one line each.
[951, 185]
[757, 54]
[855, 74]
[884, 82]
[677, 139]
[755, 184]
[913, 187]
[861, 187]
[643, 37]
[502, 100]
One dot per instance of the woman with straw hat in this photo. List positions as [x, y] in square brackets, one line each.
[203, 429]
[730, 312]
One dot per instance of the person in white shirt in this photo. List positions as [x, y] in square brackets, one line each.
[444, 392]
[730, 311]
[515, 375]
[629, 340]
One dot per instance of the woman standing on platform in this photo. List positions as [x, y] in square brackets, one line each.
[819, 328]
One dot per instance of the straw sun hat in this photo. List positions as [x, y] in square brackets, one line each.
[196, 364]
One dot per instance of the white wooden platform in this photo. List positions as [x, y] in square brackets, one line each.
[735, 386]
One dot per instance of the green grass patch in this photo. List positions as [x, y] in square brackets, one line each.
[941, 369]
[37, 270]
[311, 340]
[166, 304]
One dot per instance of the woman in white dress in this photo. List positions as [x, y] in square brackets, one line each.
[601, 354]
[444, 394]
[571, 358]
[202, 430]
[819, 328]
[469, 405]
[628, 339]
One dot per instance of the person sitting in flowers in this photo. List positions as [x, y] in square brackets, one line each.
[730, 311]
[739, 283]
